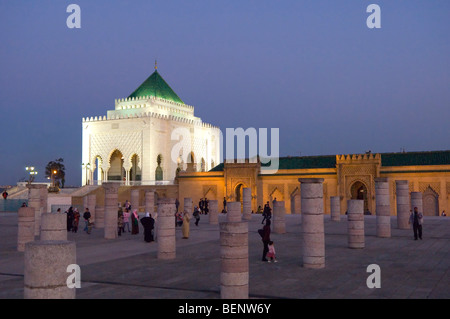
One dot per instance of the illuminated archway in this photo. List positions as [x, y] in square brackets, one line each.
[358, 190]
[116, 171]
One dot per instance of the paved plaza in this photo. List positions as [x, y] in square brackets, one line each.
[127, 268]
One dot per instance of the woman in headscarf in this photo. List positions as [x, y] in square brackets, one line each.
[148, 222]
[185, 227]
[134, 223]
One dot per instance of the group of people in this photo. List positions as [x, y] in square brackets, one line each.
[73, 219]
[203, 206]
[123, 220]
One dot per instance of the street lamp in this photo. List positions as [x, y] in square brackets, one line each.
[54, 172]
[32, 172]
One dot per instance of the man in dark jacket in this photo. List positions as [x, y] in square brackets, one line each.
[86, 216]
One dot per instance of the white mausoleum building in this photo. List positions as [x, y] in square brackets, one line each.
[139, 141]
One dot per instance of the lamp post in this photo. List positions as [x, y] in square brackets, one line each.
[32, 173]
[54, 172]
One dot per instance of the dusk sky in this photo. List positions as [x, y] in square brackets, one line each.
[313, 69]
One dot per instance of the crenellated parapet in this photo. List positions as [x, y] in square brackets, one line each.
[355, 158]
[196, 122]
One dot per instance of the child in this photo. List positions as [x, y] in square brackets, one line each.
[271, 253]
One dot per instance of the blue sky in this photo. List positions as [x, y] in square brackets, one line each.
[311, 68]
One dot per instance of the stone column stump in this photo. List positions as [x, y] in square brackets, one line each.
[45, 272]
[150, 202]
[91, 202]
[403, 204]
[383, 207]
[111, 209]
[417, 201]
[35, 192]
[166, 228]
[53, 226]
[99, 217]
[213, 212]
[313, 236]
[25, 231]
[188, 206]
[279, 221]
[234, 212]
[355, 223]
[335, 203]
[234, 275]
[134, 200]
[247, 203]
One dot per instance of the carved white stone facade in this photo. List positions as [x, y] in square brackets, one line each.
[141, 129]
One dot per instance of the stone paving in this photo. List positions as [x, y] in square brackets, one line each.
[127, 268]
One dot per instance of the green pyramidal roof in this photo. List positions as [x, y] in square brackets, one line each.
[156, 86]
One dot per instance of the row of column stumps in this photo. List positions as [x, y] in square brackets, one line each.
[53, 253]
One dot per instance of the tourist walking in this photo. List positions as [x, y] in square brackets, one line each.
[267, 213]
[86, 216]
[126, 220]
[416, 219]
[265, 237]
[76, 220]
[185, 227]
[148, 223]
[134, 223]
[5, 194]
[196, 215]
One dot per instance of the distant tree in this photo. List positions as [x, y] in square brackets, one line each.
[57, 166]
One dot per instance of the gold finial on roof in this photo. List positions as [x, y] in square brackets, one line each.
[156, 64]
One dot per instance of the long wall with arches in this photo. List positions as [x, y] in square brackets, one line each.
[346, 176]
